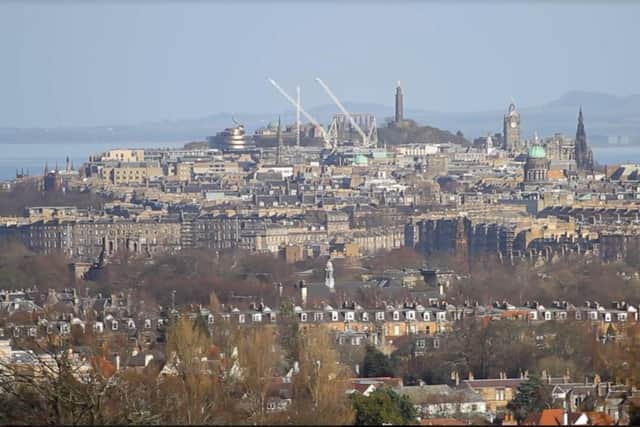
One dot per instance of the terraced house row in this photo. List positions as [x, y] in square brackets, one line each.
[24, 313]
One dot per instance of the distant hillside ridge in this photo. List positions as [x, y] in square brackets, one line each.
[608, 119]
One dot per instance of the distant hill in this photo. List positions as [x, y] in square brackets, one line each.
[413, 134]
[606, 117]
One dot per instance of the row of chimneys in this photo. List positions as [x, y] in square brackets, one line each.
[502, 375]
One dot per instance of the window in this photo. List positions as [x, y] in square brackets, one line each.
[380, 315]
[607, 317]
[334, 316]
[547, 315]
[593, 315]
[420, 343]
[500, 394]
[396, 315]
[396, 330]
[303, 317]
[257, 317]
[365, 317]
[349, 315]
[425, 316]
[578, 315]
[622, 317]
[318, 317]
[241, 318]
[436, 343]
[114, 325]
[411, 315]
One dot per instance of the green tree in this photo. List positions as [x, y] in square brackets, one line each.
[532, 395]
[383, 406]
[376, 364]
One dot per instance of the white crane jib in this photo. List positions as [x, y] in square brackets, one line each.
[308, 116]
[365, 138]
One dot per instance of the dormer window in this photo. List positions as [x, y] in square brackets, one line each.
[334, 316]
[547, 315]
[114, 325]
[147, 323]
[607, 317]
[210, 319]
[411, 315]
[442, 316]
[365, 317]
[593, 315]
[349, 315]
[578, 315]
[318, 317]
[562, 315]
[256, 318]
[273, 317]
[622, 317]
[425, 316]
[380, 315]
[396, 315]
[241, 318]
[303, 317]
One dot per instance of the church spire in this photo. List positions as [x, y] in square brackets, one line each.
[583, 155]
[580, 117]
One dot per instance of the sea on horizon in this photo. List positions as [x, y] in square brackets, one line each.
[33, 156]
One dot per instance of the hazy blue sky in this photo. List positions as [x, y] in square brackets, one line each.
[97, 63]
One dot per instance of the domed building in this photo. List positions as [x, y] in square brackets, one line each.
[536, 168]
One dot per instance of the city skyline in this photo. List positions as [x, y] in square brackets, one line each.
[446, 61]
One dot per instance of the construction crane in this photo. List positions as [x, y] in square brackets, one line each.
[365, 137]
[298, 116]
[323, 132]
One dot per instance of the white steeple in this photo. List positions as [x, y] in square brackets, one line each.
[329, 281]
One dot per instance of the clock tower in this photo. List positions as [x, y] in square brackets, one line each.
[511, 129]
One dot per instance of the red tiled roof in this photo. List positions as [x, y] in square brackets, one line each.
[548, 417]
[599, 418]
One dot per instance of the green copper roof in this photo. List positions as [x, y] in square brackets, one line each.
[360, 159]
[537, 152]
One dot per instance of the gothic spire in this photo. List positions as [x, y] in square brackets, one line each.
[583, 155]
[580, 118]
